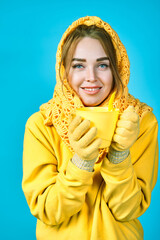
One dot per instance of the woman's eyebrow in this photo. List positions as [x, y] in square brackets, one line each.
[79, 59]
[102, 59]
[84, 60]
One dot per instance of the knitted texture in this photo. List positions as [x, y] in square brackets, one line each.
[58, 111]
[83, 164]
[117, 156]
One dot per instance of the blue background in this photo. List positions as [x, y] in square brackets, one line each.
[29, 34]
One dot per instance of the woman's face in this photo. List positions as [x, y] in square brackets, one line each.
[90, 74]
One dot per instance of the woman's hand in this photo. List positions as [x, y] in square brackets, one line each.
[83, 139]
[127, 130]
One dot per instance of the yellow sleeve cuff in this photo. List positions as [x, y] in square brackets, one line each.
[77, 173]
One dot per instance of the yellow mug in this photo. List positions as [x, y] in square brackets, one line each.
[104, 120]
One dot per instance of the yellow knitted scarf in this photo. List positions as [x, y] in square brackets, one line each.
[59, 109]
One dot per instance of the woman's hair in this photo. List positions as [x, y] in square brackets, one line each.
[104, 38]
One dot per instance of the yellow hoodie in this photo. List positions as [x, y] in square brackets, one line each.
[71, 203]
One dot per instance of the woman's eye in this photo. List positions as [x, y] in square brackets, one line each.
[78, 66]
[103, 66]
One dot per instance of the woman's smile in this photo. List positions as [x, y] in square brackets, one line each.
[91, 90]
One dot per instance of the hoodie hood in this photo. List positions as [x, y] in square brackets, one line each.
[58, 111]
[122, 57]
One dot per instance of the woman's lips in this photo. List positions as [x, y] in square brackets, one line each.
[91, 90]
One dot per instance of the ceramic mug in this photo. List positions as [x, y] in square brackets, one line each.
[104, 120]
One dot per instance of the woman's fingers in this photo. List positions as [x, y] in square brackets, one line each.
[76, 121]
[122, 131]
[126, 124]
[127, 130]
[130, 115]
[81, 130]
[92, 150]
[88, 137]
[121, 140]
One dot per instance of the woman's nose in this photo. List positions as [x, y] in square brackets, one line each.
[91, 75]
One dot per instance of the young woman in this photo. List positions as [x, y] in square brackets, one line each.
[75, 190]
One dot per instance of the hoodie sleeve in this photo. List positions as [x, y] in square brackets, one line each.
[128, 185]
[53, 196]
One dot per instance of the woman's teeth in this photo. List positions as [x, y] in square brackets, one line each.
[92, 89]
